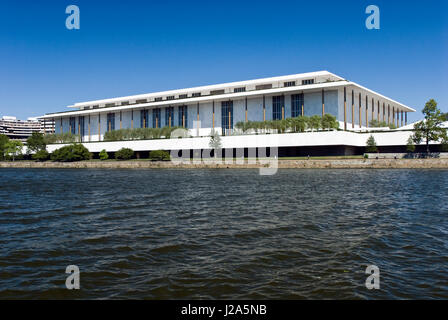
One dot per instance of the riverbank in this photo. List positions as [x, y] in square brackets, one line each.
[298, 164]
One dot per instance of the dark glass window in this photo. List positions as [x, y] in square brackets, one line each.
[226, 116]
[296, 105]
[242, 89]
[196, 94]
[183, 116]
[110, 121]
[73, 125]
[169, 116]
[307, 81]
[289, 84]
[156, 118]
[158, 99]
[183, 96]
[170, 98]
[81, 126]
[278, 102]
[141, 101]
[144, 119]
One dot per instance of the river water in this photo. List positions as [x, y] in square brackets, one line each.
[226, 234]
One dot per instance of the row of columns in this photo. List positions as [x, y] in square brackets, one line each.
[396, 114]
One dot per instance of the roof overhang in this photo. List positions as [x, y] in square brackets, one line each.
[210, 87]
[340, 82]
[203, 99]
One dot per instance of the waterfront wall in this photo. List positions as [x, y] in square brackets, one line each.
[282, 164]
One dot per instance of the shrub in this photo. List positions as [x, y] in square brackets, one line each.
[72, 152]
[103, 155]
[159, 155]
[124, 154]
[41, 155]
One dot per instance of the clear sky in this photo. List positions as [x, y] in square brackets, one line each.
[132, 47]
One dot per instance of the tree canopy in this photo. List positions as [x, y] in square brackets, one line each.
[430, 129]
[215, 140]
[3, 141]
[371, 145]
[36, 142]
[14, 148]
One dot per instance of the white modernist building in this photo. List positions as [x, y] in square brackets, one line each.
[220, 107]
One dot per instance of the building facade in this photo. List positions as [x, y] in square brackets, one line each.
[21, 130]
[220, 107]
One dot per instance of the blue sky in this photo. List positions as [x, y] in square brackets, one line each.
[132, 47]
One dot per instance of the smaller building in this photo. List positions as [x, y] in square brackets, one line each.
[22, 129]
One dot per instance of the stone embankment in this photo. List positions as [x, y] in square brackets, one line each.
[299, 164]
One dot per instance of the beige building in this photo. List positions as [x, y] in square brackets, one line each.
[22, 129]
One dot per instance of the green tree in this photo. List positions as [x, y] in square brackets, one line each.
[3, 142]
[124, 154]
[215, 142]
[103, 155]
[329, 122]
[282, 125]
[300, 123]
[241, 126]
[410, 146]
[14, 148]
[41, 155]
[444, 146]
[315, 122]
[35, 143]
[71, 152]
[445, 116]
[371, 145]
[430, 129]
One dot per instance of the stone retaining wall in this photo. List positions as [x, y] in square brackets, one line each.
[308, 164]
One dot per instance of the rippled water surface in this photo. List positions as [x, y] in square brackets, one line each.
[229, 234]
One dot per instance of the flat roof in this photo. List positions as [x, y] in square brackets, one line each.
[336, 81]
[209, 87]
